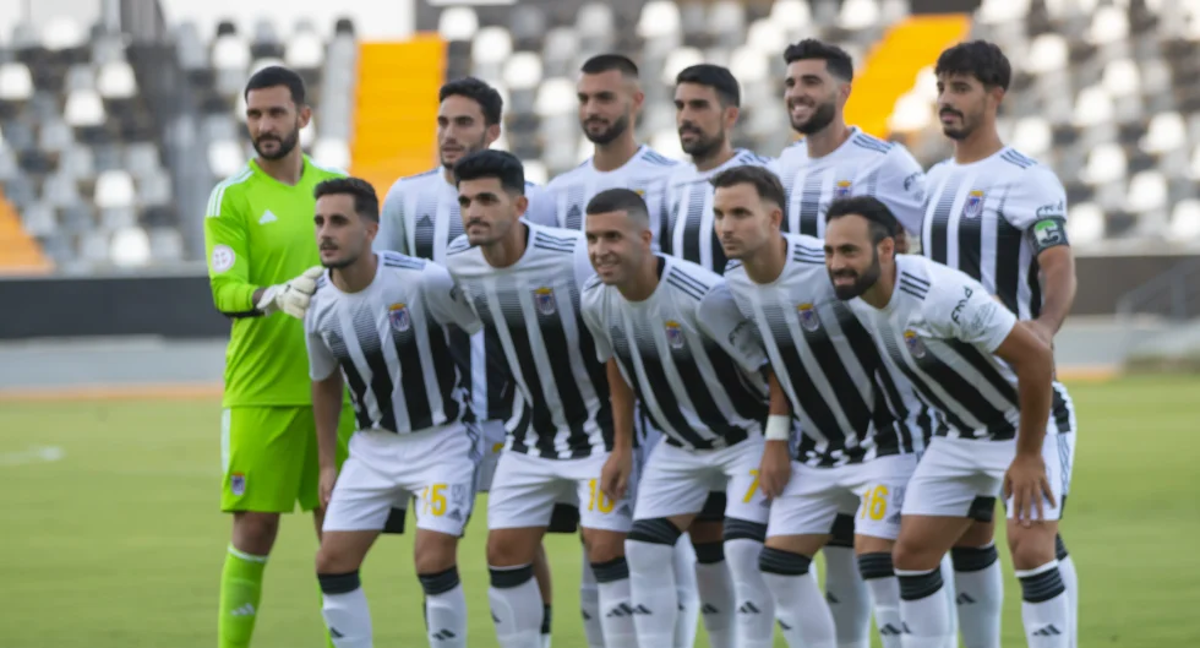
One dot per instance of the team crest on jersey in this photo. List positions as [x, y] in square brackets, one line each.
[974, 205]
[237, 484]
[674, 334]
[640, 192]
[841, 189]
[398, 316]
[915, 346]
[544, 299]
[809, 320]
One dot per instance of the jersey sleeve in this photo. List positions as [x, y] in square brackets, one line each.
[1037, 205]
[392, 235]
[541, 210]
[583, 265]
[446, 300]
[321, 362]
[962, 309]
[902, 187]
[591, 306]
[227, 248]
[718, 317]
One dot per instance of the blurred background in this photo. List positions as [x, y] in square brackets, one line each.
[117, 117]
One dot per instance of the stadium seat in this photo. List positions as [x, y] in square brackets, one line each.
[793, 15]
[1105, 164]
[1185, 220]
[60, 190]
[63, 33]
[911, 114]
[1110, 24]
[116, 80]
[1047, 53]
[458, 24]
[523, 71]
[679, 60]
[857, 15]
[1093, 106]
[39, 219]
[225, 157]
[332, 152]
[130, 247]
[304, 51]
[16, 82]
[556, 97]
[154, 189]
[114, 190]
[1147, 192]
[1032, 136]
[1166, 132]
[166, 244]
[1085, 224]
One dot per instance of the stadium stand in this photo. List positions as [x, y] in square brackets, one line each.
[92, 165]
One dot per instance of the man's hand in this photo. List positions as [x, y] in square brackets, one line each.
[328, 478]
[614, 477]
[292, 297]
[1026, 483]
[775, 470]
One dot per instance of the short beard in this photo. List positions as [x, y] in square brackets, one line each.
[341, 263]
[479, 146]
[606, 137]
[821, 118]
[862, 283]
[285, 146]
[702, 148]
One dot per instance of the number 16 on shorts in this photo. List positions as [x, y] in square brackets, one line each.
[879, 510]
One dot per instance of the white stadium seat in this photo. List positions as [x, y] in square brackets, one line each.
[64, 32]
[1147, 192]
[1166, 132]
[117, 81]
[556, 97]
[857, 15]
[304, 51]
[16, 83]
[332, 152]
[523, 71]
[84, 108]
[677, 61]
[1047, 53]
[1085, 223]
[458, 24]
[225, 157]
[114, 189]
[1185, 220]
[1122, 77]
[130, 247]
[794, 15]
[1109, 25]
[230, 52]
[749, 65]
[1093, 107]
[1032, 136]
[911, 113]
[659, 18]
[492, 45]
[995, 12]
[1106, 163]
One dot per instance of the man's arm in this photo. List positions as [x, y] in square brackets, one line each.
[446, 300]
[1058, 287]
[1033, 362]
[775, 470]
[327, 403]
[226, 246]
[391, 235]
[902, 188]
[1040, 210]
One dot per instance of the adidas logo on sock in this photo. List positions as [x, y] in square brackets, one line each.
[708, 608]
[831, 599]
[890, 630]
[749, 608]
[496, 619]
[964, 599]
[443, 635]
[1048, 631]
[245, 610]
[624, 610]
[333, 632]
[784, 625]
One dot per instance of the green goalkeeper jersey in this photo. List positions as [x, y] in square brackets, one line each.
[259, 232]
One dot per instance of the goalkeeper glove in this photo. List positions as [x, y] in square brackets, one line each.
[292, 297]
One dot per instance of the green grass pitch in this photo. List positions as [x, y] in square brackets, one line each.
[118, 543]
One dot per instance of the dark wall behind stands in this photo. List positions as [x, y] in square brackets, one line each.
[181, 306]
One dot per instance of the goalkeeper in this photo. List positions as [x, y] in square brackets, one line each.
[262, 258]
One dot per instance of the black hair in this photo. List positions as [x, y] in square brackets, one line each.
[765, 182]
[277, 75]
[980, 59]
[837, 61]
[366, 201]
[489, 163]
[619, 199]
[882, 222]
[716, 77]
[606, 62]
[489, 100]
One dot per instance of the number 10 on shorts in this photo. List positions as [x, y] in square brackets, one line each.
[598, 500]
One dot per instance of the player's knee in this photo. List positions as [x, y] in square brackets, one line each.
[1033, 547]
[978, 534]
[604, 546]
[436, 554]
[910, 556]
[254, 533]
[331, 560]
[506, 549]
[438, 582]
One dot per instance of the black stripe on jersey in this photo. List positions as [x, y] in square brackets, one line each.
[967, 396]
[444, 367]
[810, 204]
[423, 227]
[501, 389]
[904, 288]
[598, 374]
[460, 353]
[930, 397]
[857, 412]
[1012, 157]
[732, 264]
[1008, 265]
[689, 289]
[539, 413]
[691, 223]
[970, 242]
[688, 279]
[938, 229]
[914, 286]
[406, 262]
[972, 355]
[1060, 407]
[381, 380]
[358, 387]
[808, 255]
[657, 384]
[412, 377]
[552, 247]
[554, 339]
[747, 401]
[890, 437]
[805, 390]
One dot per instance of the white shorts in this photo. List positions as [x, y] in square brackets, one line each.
[492, 445]
[386, 470]
[964, 477]
[872, 492]
[525, 490]
[676, 481]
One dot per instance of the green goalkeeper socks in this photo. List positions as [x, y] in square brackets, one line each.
[241, 589]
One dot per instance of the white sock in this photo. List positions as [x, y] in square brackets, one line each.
[803, 613]
[652, 577]
[516, 604]
[1071, 580]
[923, 609]
[980, 600]
[445, 609]
[344, 606]
[1044, 607]
[877, 573]
[685, 590]
[950, 594]
[756, 607]
[848, 597]
[589, 606]
[616, 605]
[718, 604]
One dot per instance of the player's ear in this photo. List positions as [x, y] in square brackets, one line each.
[522, 204]
[372, 228]
[731, 116]
[844, 92]
[491, 134]
[305, 115]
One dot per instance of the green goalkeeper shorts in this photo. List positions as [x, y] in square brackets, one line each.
[269, 458]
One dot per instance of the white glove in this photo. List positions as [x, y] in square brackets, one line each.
[292, 297]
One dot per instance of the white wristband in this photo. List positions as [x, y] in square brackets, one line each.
[779, 428]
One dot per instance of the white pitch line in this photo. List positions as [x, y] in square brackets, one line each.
[36, 454]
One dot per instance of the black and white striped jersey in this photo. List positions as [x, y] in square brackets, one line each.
[391, 343]
[863, 165]
[691, 357]
[690, 233]
[420, 217]
[570, 192]
[991, 219]
[824, 359]
[941, 329]
[533, 309]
